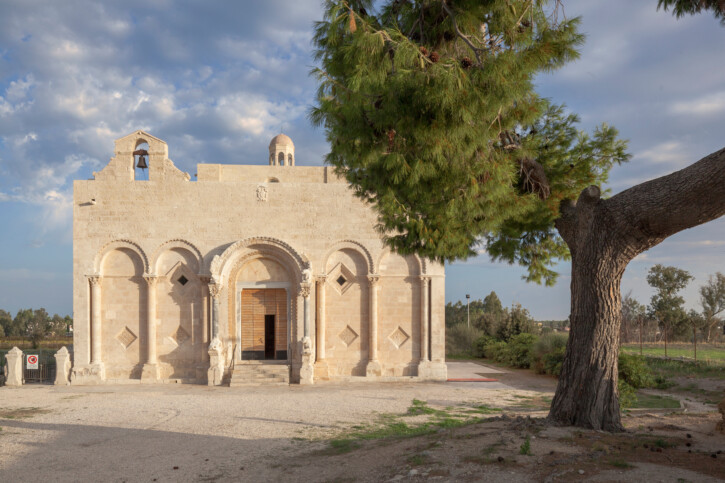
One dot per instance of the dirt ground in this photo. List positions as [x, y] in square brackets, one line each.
[312, 433]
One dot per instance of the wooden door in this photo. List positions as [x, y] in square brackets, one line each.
[264, 324]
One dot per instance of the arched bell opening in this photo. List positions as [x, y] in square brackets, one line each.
[141, 161]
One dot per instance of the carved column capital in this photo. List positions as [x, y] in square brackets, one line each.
[204, 278]
[424, 279]
[94, 279]
[373, 279]
[305, 288]
[321, 278]
[215, 290]
[151, 279]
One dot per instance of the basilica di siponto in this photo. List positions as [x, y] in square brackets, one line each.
[247, 275]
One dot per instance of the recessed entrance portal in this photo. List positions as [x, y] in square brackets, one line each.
[264, 324]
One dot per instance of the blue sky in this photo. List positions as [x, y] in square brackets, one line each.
[216, 80]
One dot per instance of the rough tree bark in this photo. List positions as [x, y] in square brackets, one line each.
[603, 237]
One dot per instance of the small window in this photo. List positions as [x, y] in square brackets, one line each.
[183, 280]
[281, 159]
[289, 160]
[341, 280]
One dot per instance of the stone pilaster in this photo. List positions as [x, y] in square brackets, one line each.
[424, 336]
[321, 367]
[373, 368]
[150, 370]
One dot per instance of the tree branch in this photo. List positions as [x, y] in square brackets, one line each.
[461, 34]
[656, 209]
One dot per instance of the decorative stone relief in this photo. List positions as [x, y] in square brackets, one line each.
[348, 336]
[341, 278]
[305, 289]
[262, 193]
[126, 337]
[215, 290]
[398, 337]
[373, 279]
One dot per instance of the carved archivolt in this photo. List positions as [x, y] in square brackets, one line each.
[222, 264]
[422, 266]
[116, 244]
[350, 245]
[178, 243]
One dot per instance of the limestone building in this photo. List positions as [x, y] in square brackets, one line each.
[248, 274]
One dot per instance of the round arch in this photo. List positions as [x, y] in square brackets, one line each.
[419, 261]
[177, 243]
[221, 265]
[108, 247]
[350, 245]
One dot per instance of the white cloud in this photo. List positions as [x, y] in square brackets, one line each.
[707, 105]
[669, 152]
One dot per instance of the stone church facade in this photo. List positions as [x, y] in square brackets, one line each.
[249, 274]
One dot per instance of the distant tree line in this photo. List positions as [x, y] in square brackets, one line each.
[34, 324]
[665, 318]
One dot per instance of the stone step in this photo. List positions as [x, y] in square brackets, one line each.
[253, 373]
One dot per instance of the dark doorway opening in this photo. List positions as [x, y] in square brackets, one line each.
[269, 336]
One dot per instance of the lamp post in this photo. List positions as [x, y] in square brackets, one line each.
[468, 311]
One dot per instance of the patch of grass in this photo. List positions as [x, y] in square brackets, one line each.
[418, 459]
[391, 426]
[483, 409]
[663, 443]
[668, 368]
[525, 448]
[617, 463]
[21, 413]
[704, 352]
[340, 446]
[649, 401]
[421, 407]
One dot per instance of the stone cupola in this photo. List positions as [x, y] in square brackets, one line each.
[281, 151]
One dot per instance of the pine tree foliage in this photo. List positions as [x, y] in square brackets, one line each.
[680, 8]
[432, 116]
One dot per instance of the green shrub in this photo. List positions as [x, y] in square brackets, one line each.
[548, 353]
[481, 344]
[496, 350]
[634, 371]
[552, 361]
[461, 340]
[627, 396]
[518, 350]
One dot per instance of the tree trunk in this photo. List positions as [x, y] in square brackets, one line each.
[603, 237]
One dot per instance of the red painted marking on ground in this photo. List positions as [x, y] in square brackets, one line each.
[473, 379]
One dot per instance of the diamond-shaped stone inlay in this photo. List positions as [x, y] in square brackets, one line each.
[126, 337]
[398, 337]
[180, 336]
[348, 336]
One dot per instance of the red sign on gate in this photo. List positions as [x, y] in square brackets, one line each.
[32, 361]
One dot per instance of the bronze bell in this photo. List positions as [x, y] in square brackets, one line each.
[142, 162]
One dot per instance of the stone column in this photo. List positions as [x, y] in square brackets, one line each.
[62, 367]
[373, 368]
[215, 290]
[14, 367]
[424, 338]
[95, 281]
[307, 371]
[151, 368]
